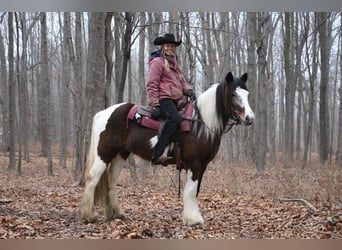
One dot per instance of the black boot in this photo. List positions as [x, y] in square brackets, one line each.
[169, 114]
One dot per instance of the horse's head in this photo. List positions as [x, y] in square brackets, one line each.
[238, 99]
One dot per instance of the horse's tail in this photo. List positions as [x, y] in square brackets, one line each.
[91, 151]
[101, 189]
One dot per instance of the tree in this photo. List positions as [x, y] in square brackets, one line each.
[323, 107]
[95, 82]
[109, 56]
[261, 135]
[45, 98]
[289, 89]
[4, 95]
[251, 70]
[64, 89]
[312, 79]
[78, 92]
[11, 90]
[339, 141]
[142, 57]
[126, 52]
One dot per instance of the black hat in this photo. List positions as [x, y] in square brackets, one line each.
[167, 38]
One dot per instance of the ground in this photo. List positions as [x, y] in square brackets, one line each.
[235, 203]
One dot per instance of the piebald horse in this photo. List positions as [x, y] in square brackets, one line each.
[114, 138]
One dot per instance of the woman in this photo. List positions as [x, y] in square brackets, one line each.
[166, 86]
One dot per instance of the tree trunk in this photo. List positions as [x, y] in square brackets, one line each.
[78, 94]
[21, 87]
[109, 57]
[289, 89]
[252, 76]
[339, 141]
[261, 135]
[117, 53]
[95, 82]
[142, 56]
[46, 96]
[64, 90]
[11, 90]
[4, 101]
[126, 53]
[323, 107]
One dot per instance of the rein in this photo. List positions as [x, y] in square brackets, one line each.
[231, 122]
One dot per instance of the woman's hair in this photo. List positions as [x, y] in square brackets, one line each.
[167, 64]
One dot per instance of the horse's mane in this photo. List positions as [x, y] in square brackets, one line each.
[211, 124]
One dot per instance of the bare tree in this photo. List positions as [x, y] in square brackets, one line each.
[323, 107]
[64, 89]
[142, 56]
[312, 79]
[261, 128]
[45, 99]
[339, 141]
[77, 90]
[126, 52]
[11, 90]
[95, 82]
[252, 74]
[4, 95]
[109, 56]
[289, 89]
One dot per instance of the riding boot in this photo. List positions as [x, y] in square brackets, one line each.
[169, 114]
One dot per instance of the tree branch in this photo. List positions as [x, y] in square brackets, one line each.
[288, 199]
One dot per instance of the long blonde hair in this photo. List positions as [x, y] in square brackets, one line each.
[167, 64]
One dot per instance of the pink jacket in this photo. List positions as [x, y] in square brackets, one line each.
[162, 84]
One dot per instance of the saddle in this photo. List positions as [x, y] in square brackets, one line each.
[142, 116]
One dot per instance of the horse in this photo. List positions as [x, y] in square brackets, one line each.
[114, 137]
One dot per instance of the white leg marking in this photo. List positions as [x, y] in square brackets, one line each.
[112, 208]
[96, 166]
[87, 210]
[154, 141]
[191, 213]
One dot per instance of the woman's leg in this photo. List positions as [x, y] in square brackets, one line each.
[169, 114]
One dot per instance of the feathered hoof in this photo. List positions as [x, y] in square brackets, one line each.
[198, 220]
[89, 219]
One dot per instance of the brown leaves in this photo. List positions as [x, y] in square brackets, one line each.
[46, 207]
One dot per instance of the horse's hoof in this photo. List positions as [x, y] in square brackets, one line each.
[90, 220]
[193, 221]
[119, 216]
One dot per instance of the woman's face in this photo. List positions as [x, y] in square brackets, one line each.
[169, 49]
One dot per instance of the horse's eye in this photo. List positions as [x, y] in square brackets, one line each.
[233, 95]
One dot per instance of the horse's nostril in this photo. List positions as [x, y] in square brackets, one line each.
[249, 120]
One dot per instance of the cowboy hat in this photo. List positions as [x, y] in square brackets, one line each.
[167, 38]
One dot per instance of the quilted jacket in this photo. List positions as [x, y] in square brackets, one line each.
[163, 84]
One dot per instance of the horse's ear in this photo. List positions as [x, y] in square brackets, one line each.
[229, 77]
[244, 77]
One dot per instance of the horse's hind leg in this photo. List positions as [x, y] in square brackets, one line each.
[112, 208]
[87, 210]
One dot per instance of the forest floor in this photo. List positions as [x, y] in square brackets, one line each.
[235, 203]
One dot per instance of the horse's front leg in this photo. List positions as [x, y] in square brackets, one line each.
[191, 212]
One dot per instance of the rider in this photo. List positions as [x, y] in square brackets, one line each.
[166, 87]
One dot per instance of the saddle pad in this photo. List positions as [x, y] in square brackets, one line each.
[148, 122]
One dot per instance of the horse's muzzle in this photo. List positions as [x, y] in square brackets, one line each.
[249, 120]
